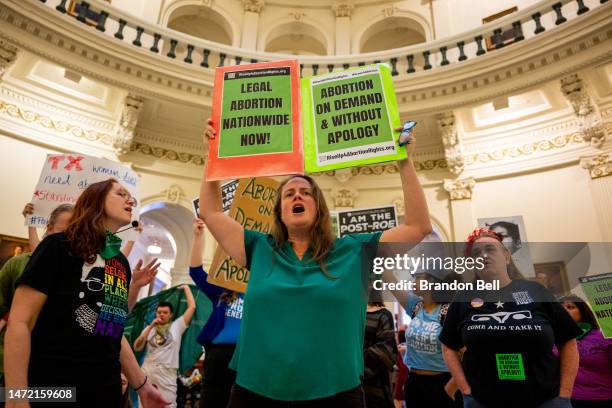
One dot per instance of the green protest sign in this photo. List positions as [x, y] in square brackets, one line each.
[256, 113]
[349, 117]
[598, 290]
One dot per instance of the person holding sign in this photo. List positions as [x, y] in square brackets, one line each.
[592, 386]
[70, 306]
[509, 336]
[304, 311]
[220, 333]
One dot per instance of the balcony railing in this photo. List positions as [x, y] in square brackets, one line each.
[181, 48]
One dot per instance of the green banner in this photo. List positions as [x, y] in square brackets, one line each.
[143, 313]
[349, 117]
[598, 290]
[256, 112]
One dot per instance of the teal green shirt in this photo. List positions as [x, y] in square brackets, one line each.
[302, 332]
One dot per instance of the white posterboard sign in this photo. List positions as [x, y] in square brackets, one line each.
[65, 176]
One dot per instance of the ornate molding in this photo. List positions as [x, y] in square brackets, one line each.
[254, 6]
[126, 125]
[459, 189]
[376, 169]
[57, 125]
[8, 56]
[343, 175]
[453, 148]
[344, 197]
[400, 206]
[162, 153]
[390, 168]
[343, 10]
[433, 164]
[598, 166]
[297, 15]
[85, 51]
[173, 194]
[526, 149]
[389, 11]
[587, 117]
[25, 101]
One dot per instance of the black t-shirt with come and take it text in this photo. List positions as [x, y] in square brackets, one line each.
[509, 336]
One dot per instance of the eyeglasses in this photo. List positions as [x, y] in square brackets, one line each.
[127, 196]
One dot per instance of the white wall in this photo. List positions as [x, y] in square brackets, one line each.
[556, 205]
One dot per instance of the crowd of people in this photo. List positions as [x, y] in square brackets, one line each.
[308, 332]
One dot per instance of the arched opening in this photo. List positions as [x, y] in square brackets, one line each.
[201, 22]
[390, 33]
[296, 38]
[166, 235]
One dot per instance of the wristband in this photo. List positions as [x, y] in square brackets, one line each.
[142, 385]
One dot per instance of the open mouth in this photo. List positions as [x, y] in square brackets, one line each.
[297, 208]
[128, 209]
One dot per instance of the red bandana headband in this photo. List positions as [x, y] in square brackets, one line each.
[479, 233]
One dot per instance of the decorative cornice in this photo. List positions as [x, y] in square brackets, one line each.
[56, 125]
[26, 102]
[598, 166]
[162, 153]
[525, 150]
[91, 135]
[8, 56]
[391, 168]
[254, 6]
[459, 189]
[577, 44]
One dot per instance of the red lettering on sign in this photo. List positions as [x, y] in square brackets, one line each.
[74, 161]
[55, 161]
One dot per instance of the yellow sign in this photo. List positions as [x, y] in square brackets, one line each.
[253, 208]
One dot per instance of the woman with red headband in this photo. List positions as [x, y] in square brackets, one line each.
[508, 335]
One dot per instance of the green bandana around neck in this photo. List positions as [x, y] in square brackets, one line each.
[162, 329]
[586, 328]
[112, 245]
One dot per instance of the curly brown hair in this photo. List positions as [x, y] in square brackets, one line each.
[86, 231]
[321, 235]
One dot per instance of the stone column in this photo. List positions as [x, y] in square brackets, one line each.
[343, 11]
[600, 171]
[180, 275]
[460, 195]
[442, 19]
[250, 25]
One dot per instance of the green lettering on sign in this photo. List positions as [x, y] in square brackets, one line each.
[510, 367]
